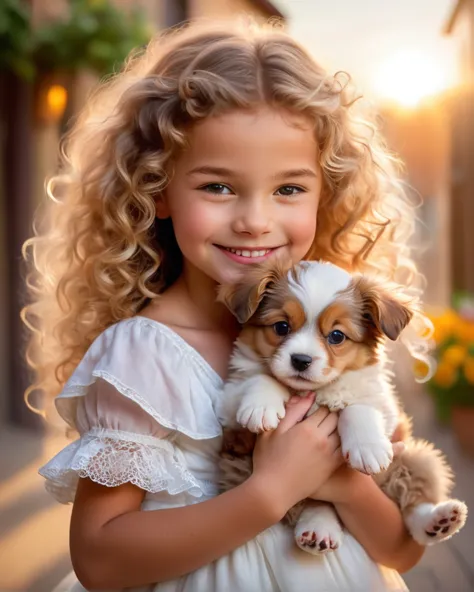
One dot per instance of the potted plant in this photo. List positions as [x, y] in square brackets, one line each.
[452, 385]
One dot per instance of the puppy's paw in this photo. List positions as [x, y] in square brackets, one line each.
[430, 524]
[318, 536]
[368, 457]
[260, 419]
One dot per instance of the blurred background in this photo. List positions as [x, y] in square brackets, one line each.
[414, 59]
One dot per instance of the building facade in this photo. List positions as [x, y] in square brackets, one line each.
[461, 26]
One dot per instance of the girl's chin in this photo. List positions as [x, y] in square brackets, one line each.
[230, 276]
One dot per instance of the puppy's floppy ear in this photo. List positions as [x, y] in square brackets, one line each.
[383, 309]
[243, 298]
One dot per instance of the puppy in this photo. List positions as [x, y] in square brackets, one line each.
[318, 328]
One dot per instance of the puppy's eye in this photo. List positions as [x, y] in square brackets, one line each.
[336, 337]
[281, 328]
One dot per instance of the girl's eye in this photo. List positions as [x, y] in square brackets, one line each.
[216, 188]
[289, 190]
[336, 337]
[281, 328]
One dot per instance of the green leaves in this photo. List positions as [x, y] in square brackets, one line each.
[15, 38]
[94, 34]
[97, 35]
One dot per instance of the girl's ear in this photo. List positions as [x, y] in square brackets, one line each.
[161, 207]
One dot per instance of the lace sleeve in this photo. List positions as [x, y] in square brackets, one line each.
[112, 458]
[120, 443]
[137, 393]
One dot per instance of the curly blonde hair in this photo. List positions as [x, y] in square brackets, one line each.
[99, 254]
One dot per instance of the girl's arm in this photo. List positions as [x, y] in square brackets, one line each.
[372, 518]
[377, 523]
[116, 545]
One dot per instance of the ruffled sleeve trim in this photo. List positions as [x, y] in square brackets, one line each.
[112, 458]
[153, 367]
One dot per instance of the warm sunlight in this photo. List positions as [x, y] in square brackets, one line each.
[408, 77]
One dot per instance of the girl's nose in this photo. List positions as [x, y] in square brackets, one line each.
[253, 218]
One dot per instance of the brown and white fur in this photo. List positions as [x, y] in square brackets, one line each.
[318, 301]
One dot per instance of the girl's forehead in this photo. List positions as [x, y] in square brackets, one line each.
[249, 134]
[260, 116]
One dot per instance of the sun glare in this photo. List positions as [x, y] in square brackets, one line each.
[408, 77]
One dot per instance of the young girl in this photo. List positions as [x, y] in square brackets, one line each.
[218, 147]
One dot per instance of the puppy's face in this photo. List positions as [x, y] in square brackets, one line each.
[311, 324]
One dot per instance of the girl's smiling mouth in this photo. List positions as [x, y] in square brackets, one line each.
[248, 254]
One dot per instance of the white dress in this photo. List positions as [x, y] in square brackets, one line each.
[142, 400]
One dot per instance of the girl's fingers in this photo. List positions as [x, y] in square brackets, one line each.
[296, 409]
[329, 423]
[334, 442]
[324, 420]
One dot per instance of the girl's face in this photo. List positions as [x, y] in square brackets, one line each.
[245, 190]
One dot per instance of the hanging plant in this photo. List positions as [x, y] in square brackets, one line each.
[95, 35]
[15, 38]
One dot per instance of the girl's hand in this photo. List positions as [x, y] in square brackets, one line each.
[293, 461]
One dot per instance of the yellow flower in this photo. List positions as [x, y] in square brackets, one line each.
[444, 325]
[466, 332]
[455, 355]
[469, 370]
[421, 369]
[439, 334]
[446, 374]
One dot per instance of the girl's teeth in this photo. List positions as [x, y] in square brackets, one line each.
[261, 253]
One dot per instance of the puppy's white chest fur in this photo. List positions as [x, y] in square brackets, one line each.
[368, 386]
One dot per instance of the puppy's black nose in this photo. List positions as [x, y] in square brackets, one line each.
[300, 361]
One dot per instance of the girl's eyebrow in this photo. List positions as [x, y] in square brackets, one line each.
[296, 173]
[223, 172]
[212, 170]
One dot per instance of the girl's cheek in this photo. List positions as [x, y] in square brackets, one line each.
[304, 228]
[198, 222]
